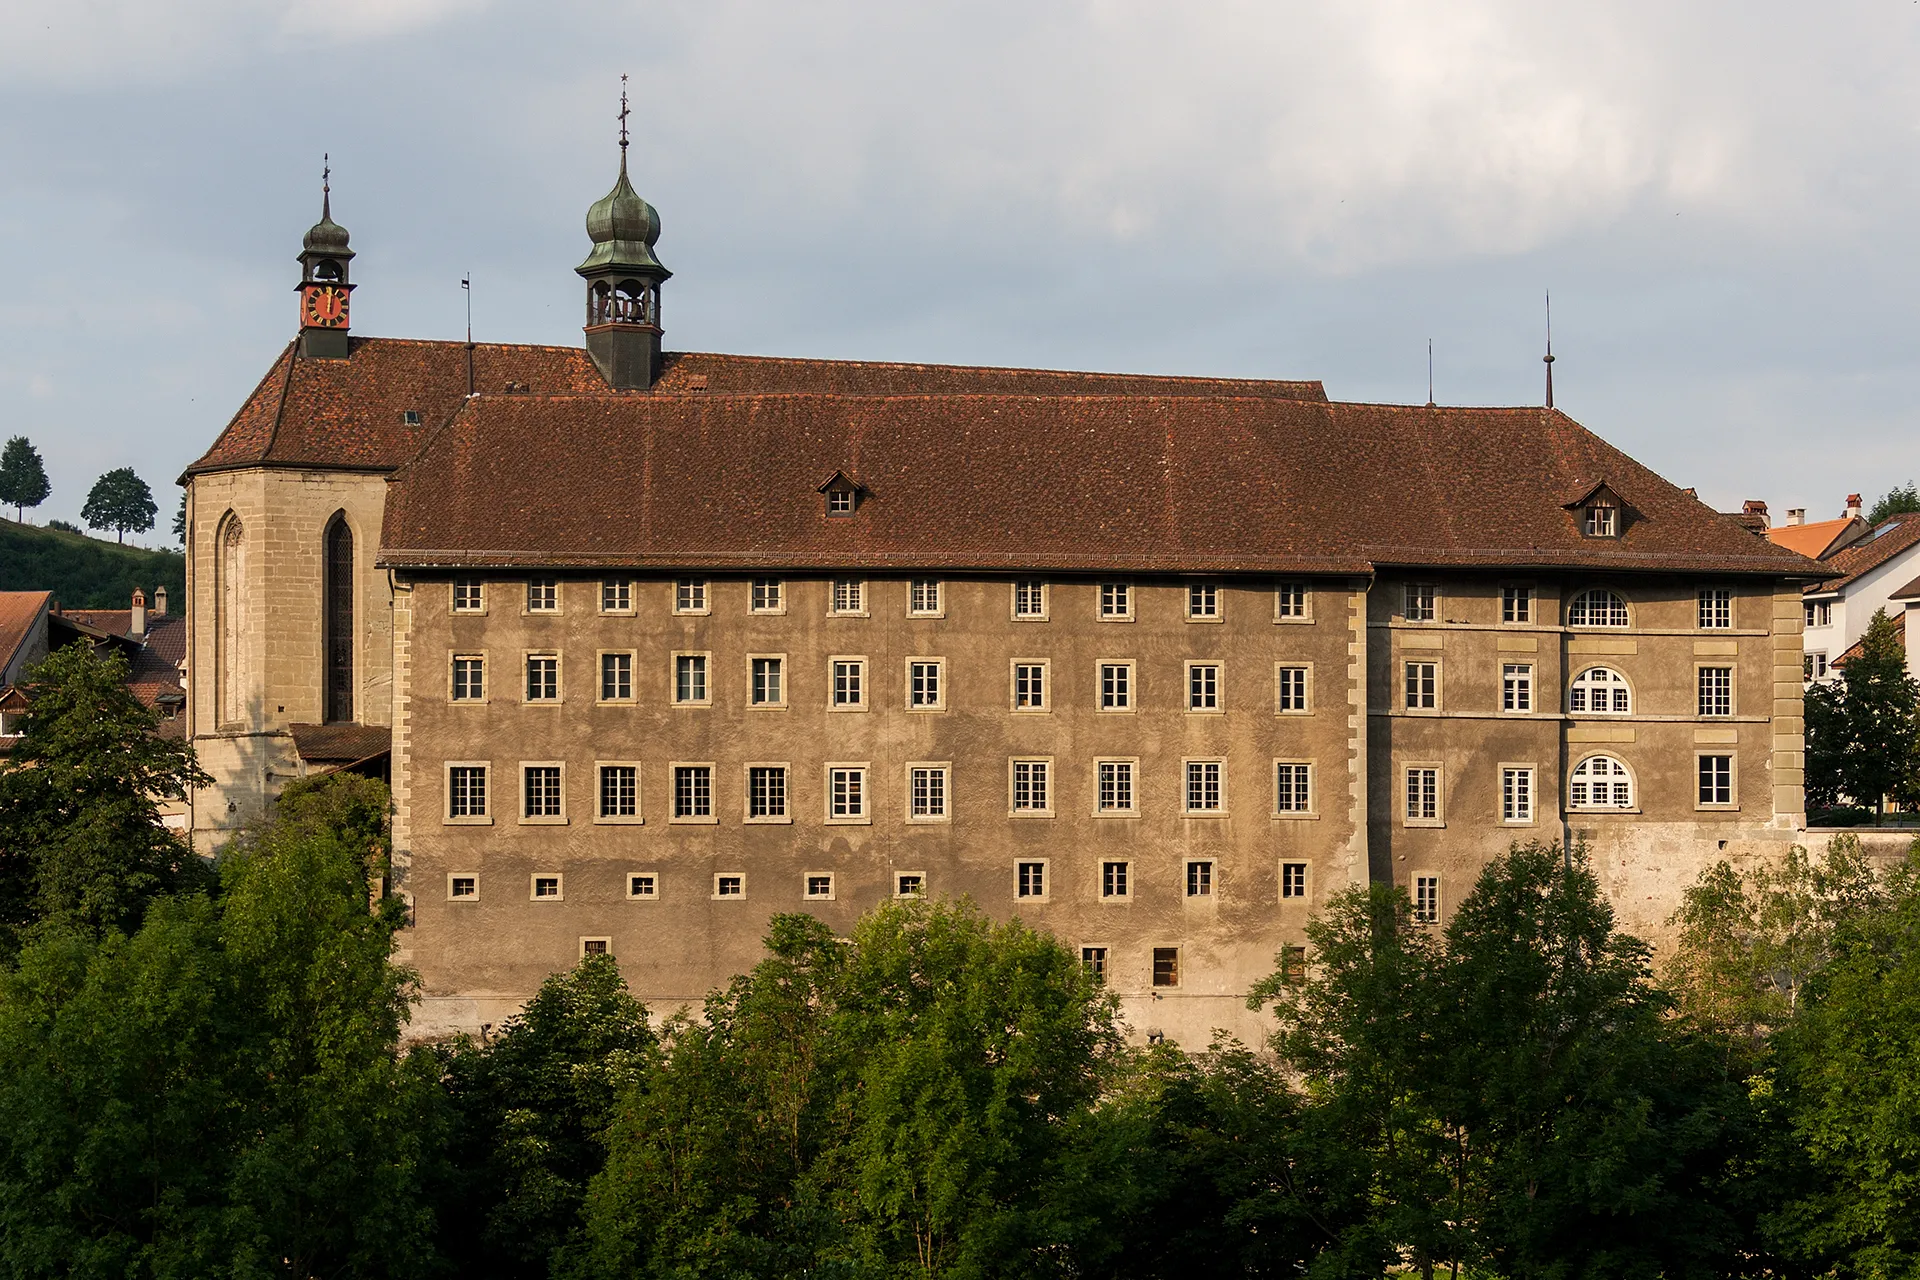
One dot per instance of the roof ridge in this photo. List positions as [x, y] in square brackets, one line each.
[991, 368]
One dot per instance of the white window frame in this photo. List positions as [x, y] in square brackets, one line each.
[1600, 520]
[482, 819]
[1306, 689]
[692, 597]
[1204, 603]
[1407, 704]
[559, 677]
[1284, 601]
[1700, 670]
[453, 879]
[1587, 806]
[862, 772]
[1583, 603]
[1732, 756]
[915, 586]
[651, 893]
[753, 677]
[559, 893]
[809, 894]
[1046, 686]
[1046, 764]
[1306, 880]
[1438, 818]
[546, 819]
[847, 598]
[1427, 903]
[1219, 670]
[674, 817]
[453, 679]
[1525, 812]
[1187, 767]
[1312, 809]
[1420, 601]
[622, 589]
[1100, 686]
[543, 584]
[1044, 591]
[638, 816]
[944, 768]
[719, 880]
[1617, 680]
[1114, 601]
[939, 666]
[833, 683]
[1819, 613]
[1019, 880]
[1132, 765]
[633, 669]
[1715, 604]
[747, 815]
[705, 658]
[478, 609]
[758, 600]
[1814, 665]
[1516, 688]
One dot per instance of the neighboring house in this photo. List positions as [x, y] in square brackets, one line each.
[1868, 569]
[1821, 538]
[660, 644]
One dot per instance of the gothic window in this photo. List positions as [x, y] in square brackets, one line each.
[338, 652]
[230, 635]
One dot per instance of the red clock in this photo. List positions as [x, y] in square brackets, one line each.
[324, 306]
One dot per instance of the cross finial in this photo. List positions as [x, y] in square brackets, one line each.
[623, 117]
[1549, 356]
[326, 190]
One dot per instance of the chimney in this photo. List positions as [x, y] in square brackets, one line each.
[1796, 515]
[138, 628]
[159, 602]
[1853, 506]
[1755, 507]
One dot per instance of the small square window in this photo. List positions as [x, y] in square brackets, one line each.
[543, 595]
[1114, 879]
[546, 888]
[410, 417]
[1030, 599]
[730, 885]
[819, 886]
[1030, 879]
[690, 596]
[1199, 879]
[769, 596]
[1293, 880]
[1116, 602]
[1516, 604]
[1166, 966]
[1602, 521]
[849, 597]
[463, 888]
[839, 502]
[924, 598]
[1203, 602]
[1421, 602]
[469, 595]
[909, 884]
[1094, 960]
[616, 596]
[643, 884]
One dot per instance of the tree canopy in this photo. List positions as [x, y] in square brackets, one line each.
[1863, 729]
[1899, 500]
[121, 501]
[23, 477]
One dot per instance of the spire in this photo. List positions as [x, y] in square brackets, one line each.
[623, 278]
[326, 190]
[1549, 356]
[325, 286]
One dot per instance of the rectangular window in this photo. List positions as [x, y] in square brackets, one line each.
[1116, 786]
[1030, 791]
[1029, 686]
[1426, 899]
[1204, 786]
[469, 679]
[543, 677]
[849, 682]
[1293, 788]
[1602, 521]
[730, 885]
[1516, 686]
[768, 596]
[924, 689]
[1166, 966]
[1199, 879]
[1094, 961]
[1203, 686]
[1516, 604]
[693, 791]
[616, 677]
[846, 793]
[1029, 599]
[1203, 601]
[541, 791]
[1116, 686]
[849, 596]
[1290, 689]
[923, 598]
[546, 888]
[467, 791]
[769, 686]
[839, 502]
[690, 678]
[1420, 599]
[543, 595]
[643, 884]
[1516, 795]
[1716, 691]
[1293, 880]
[820, 885]
[1113, 879]
[1423, 686]
[1819, 613]
[926, 792]
[766, 792]
[1716, 779]
[1116, 602]
[616, 596]
[1716, 608]
[467, 887]
[594, 946]
[1423, 794]
[909, 884]
[690, 595]
[1814, 666]
[1030, 879]
[1290, 600]
[619, 791]
[469, 596]
[1293, 966]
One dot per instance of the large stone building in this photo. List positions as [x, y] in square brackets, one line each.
[659, 644]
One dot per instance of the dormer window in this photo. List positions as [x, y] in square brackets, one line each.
[839, 502]
[1600, 511]
[410, 417]
[843, 494]
[1602, 521]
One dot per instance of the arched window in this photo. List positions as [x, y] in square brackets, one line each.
[230, 571]
[1600, 782]
[1597, 608]
[338, 651]
[1600, 691]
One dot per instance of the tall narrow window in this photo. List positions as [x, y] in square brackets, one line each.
[1516, 686]
[1716, 608]
[1426, 899]
[339, 628]
[1716, 691]
[1423, 686]
[1516, 795]
[233, 683]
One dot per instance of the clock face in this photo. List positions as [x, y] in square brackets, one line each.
[324, 307]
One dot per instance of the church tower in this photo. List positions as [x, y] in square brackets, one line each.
[324, 286]
[623, 282]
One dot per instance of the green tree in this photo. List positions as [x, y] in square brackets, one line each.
[221, 1092]
[180, 520]
[1863, 730]
[23, 477]
[1896, 501]
[121, 501]
[80, 795]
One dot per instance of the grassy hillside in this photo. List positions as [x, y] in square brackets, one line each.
[86, 573]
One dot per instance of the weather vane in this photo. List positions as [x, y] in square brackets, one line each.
[623, 112]
[326, 172]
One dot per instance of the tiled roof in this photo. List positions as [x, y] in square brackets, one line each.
[1811, 539]
[1888, 539]
[339, 743]
[1855, 649]
[1137, 483]
[18, 610]
[351, 413]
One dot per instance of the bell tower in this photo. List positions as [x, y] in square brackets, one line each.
[324, 284]
[623, 281]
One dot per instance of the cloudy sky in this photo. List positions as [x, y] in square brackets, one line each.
[1722, 198]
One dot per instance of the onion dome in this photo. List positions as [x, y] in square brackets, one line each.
[327, 236]
[623, 228]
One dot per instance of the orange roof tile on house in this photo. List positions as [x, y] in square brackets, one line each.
[1889, 538]
[1142, 483]
[20, 611]
[1813, 540]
